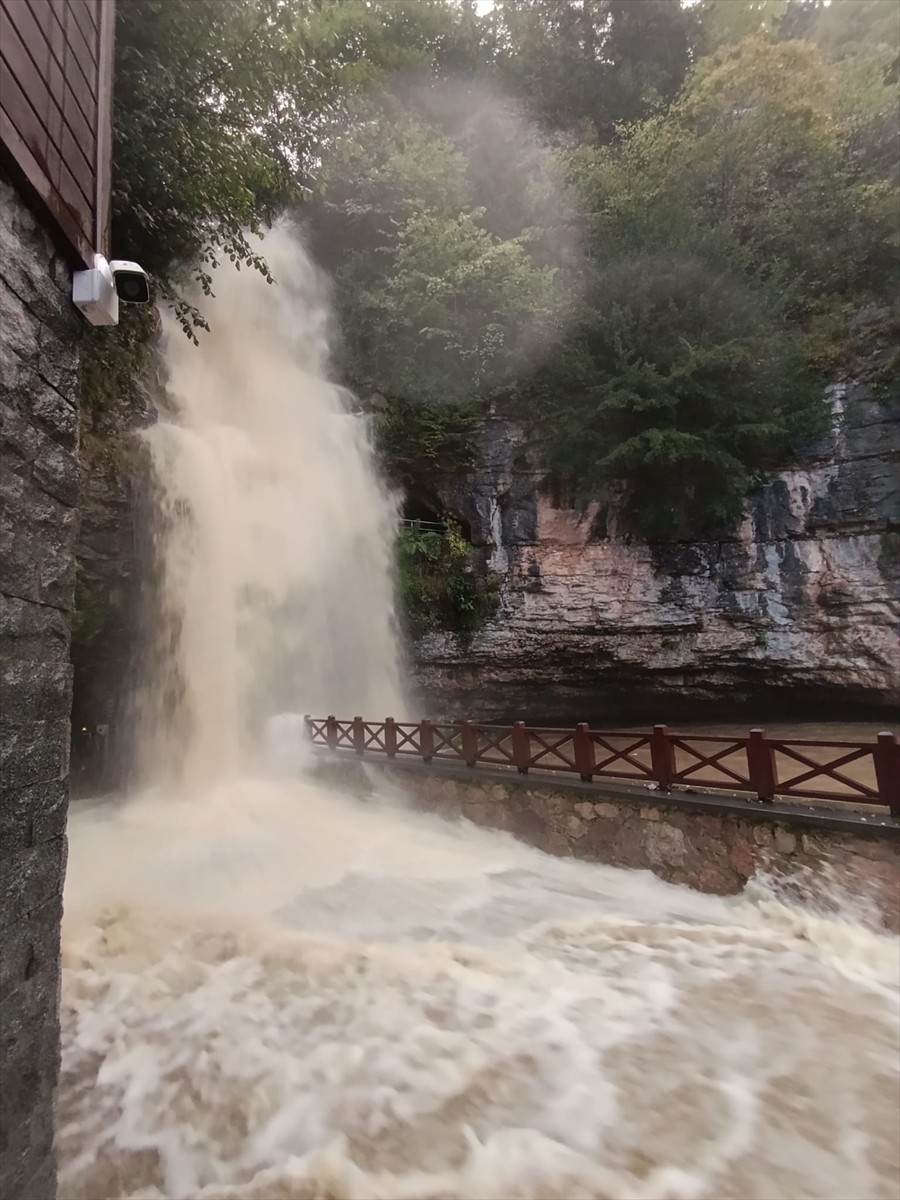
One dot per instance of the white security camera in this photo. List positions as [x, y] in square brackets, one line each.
[131, 280]
[96, 292]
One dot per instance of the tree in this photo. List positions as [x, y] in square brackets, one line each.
[730, 239]
[457, 317]
[589, 65]
[678, 387]
[649, 48]
[731, 209]
[727, 22]
[441, 299]
[438, 314]
[215, 113]
[759, 144]
[222, 108]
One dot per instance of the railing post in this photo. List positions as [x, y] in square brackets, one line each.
[307, 725]
[469, 744]
[662, 757]
[390, 737]
[761, 765]
[359, 735]
[426, 741]
[583, 744]
[887, 771]
[521, 744]
[331, 733]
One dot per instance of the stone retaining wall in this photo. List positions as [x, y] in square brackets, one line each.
[39, 336]
[711, 844]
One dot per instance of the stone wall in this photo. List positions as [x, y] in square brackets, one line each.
[39, 335]
[712, 844]
[794, 610]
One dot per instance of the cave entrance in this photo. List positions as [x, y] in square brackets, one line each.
[431, 517]
[419, 511]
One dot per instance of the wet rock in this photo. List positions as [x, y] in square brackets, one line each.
[763, 835]
[742, 858]
[574, 826]
[785, 841]
[592, 618]
[665, 845]
[716, 882]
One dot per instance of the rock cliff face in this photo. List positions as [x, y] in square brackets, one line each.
[797, 607]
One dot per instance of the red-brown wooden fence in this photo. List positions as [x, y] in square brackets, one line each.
[796, 768]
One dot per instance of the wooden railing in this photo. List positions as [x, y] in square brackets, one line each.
[799, 769]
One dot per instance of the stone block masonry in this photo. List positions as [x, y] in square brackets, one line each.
[713, 844]
[39, 363]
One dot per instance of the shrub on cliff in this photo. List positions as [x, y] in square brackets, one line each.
[439, 586]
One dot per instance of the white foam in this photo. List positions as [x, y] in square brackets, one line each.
[280, 991]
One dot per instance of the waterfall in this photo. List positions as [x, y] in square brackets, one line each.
[277, 533]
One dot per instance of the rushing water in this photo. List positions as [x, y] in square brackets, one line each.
[276, 991]
[278, 534]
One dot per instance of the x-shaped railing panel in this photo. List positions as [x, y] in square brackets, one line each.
[714, 761]
[447, 741]
[408, 738]
[554, 748]
[374, 737]
[823, 770]
[492, 737]
[618, 754]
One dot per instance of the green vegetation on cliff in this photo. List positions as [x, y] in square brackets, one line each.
[438, 582]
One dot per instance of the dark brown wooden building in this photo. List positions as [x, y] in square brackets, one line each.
[55, 91]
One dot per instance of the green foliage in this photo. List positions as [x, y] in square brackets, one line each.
[91, 614]
[362, 43]
[391, 165]
[732, 239]
[222, 107]
[679, 387]
[418, 441]
[454, 317]
[438, 584]
[442, 282]
[591, 64]
[214, 116]
[765, 152]
[726, 22]
[114, 363]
